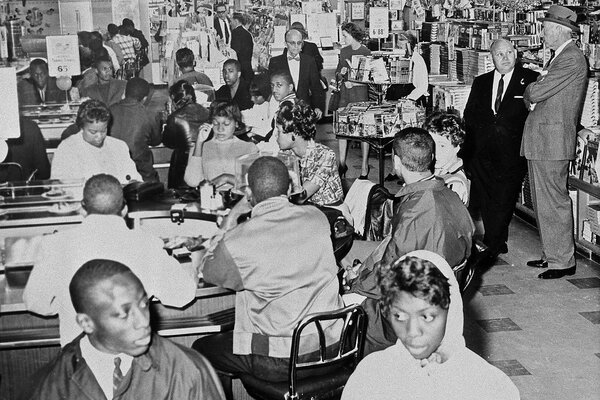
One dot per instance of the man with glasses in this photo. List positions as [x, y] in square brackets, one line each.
[303, 70]
[222, 23]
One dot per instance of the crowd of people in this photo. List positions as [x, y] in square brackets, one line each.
[280, 262]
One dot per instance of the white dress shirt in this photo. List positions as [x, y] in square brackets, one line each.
[294, 70]
[102, 365]
[507, 78]
[225, 27]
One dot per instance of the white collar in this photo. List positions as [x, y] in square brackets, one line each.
[561, 48]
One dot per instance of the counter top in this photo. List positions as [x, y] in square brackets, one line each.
[11, 299]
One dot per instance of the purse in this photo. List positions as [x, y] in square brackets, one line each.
[334, 101]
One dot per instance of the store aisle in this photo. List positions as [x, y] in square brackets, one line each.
[544, 334]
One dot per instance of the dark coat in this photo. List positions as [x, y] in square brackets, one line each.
[242, 43]
[242, 95]
[311, 49]
[116, 91]
[217, 26]
[497, 138]
[309, 81]
[29, 95]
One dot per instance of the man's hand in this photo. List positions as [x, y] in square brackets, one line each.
[191, 243]
[318, 113]
[585, 134]
[242, 207]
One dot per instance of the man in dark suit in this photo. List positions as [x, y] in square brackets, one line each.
[494, 118]
[549, 140]
[222, 23]
[40, 87]
[308, 48]
[303, 70]
[108, 90]
[242, 43]
[235, 89]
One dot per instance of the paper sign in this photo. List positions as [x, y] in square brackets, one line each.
[378, 22]
[358, 11]
[63, 55]
[9, 117]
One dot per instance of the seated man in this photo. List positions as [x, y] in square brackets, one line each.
[291, 273]
[187, 62]
[91, 152]
[29, 151]
[428, 216]
[102, 234]
[235, 89]
[40, 88]
[133, 124]
[117, 356]
[421, 300]
[108, 90]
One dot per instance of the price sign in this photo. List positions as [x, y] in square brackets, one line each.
[378, 23]
[63, 55]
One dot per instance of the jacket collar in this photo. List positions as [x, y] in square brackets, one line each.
[433, 183]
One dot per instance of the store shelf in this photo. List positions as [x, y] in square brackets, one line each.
[584, 186]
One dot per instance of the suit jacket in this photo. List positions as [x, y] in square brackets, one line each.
[497, 138]
[309, 82]
[242, 95]
[242, 43]
[220, 32]
[550, 129]
[116, 91]
[29, 95]
[311, 49]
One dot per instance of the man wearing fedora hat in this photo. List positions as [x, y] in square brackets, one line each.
[549, 139]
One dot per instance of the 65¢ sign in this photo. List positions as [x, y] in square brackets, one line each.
[63, 55]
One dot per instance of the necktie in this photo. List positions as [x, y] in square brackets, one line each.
[117, 375]
[552, 54]
[297, 58]
[499, 94]
[226, 29]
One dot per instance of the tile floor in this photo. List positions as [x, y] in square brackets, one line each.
[544, 334]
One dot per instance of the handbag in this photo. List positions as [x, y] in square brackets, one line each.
[334, 101]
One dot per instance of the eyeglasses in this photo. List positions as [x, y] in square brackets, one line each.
[221, 12]
[295, 43]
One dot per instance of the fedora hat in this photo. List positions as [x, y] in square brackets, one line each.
[563, 16]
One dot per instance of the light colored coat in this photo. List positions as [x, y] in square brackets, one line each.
[550, 129]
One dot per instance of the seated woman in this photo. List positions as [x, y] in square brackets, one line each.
[296, 125]
[258, 118]
[422, 303]
[217, 147]
[181, 130]
[448, 134]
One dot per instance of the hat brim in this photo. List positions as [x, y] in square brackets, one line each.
[568, 24]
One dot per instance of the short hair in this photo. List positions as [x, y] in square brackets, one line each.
[84, 38]
[103, 194]
[101, 59]
[112, 29]
[268, 177]
[126, 30]
[416, 276]
[290, 31]
[415, 147]
[227, 109]
[182, 93]
[496, 42]
[137, 88]
[92, 111]
[38, 62]
[300, 28]
[283, 74]
[184, 57]
[127, 22]
[220, 4]
[89, 275]
[448, 125]
[241, 18]
[233, 62]
[298, 118]
[261, 85]
[354, 31]
[96, 35]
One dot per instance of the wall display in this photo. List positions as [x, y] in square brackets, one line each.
[126, 9]
[63, 55]
[36, 16]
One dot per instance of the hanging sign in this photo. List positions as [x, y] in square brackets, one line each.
[378, 23]
[63, 55]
